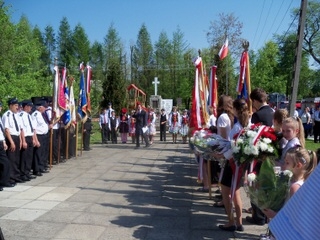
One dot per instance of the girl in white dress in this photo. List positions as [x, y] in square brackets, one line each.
[184, 130]
[174, 123]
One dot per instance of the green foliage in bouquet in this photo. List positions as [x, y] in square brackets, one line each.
[269, 190]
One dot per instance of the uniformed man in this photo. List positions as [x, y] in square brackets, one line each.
[14, 139]
[30, 141]
[4, 161]
[41, 129]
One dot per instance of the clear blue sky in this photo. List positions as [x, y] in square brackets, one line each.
[260, 18]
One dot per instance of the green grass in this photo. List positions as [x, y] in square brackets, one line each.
[310, 145]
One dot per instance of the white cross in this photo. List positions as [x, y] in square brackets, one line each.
[155, 82]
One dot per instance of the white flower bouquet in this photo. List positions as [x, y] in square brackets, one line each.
[256, 142]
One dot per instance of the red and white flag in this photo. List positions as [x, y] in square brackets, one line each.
[224, 50]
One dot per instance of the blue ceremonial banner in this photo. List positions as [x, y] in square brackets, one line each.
[82, 106]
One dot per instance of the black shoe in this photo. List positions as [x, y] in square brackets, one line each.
[25, 178]
[31, 177]
[39, 174]
[44, 171]
[1, 189]
[10, 184]
[148, 145]
[252, 221]
[240, 228]
[19, 180]
[231, 228]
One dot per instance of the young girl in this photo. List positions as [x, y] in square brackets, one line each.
[174, 123]
[123, 125]
[184, 130]
[132, 127]
[292, 130]
[301, 163]
[151, 124]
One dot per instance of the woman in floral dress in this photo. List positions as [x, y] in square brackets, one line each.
[174, 123]
[151, 125]
[184, 130]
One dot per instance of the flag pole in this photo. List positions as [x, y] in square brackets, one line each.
[52, 114]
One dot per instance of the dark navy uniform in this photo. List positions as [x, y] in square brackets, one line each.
[12, 125]
[41, 128]
[27, 152]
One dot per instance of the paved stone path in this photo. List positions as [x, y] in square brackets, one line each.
[117, 192]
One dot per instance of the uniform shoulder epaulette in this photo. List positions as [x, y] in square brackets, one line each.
[8, 114]
[35, 114]
[21, 114]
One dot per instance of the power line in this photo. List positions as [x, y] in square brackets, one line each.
[284, 16]
[265, 22]
[274, 20]
[259, 21]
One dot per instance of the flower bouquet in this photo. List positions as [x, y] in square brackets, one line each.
[269, 189]
[256, 142]
[206, 142]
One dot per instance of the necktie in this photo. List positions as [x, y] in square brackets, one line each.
[30, 123]
[1, 128]
[45, 117]
[15, 122]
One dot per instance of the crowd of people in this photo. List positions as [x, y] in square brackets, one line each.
[140, 125]
[26, 130]
[234, 115]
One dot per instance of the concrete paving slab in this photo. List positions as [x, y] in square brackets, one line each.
[22, 214]
[117, 192]
[80, 231]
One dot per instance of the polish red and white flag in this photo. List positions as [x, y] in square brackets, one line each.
[224, 50]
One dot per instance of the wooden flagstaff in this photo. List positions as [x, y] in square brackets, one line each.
[67, 142]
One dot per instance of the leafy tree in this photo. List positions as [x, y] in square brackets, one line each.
[265, 69]
[81, 44]
[143, 61]
[97, 63]
[26, 62]
[65, 46]
[228, 26]
[162, 53]
[114, 83]
[312, 31]
[6, 50]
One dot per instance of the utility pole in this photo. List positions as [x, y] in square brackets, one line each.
[297, 65]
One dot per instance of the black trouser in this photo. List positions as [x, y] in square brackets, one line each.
[104, 133]
[316, 131]
[26, 157]
[4, 167]
[86, 140]
[46, 150]
[39, 153]
[14, 158]
[163, 130]
[113, 135]
[55, 144]
[145, 137]
[72, 144]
